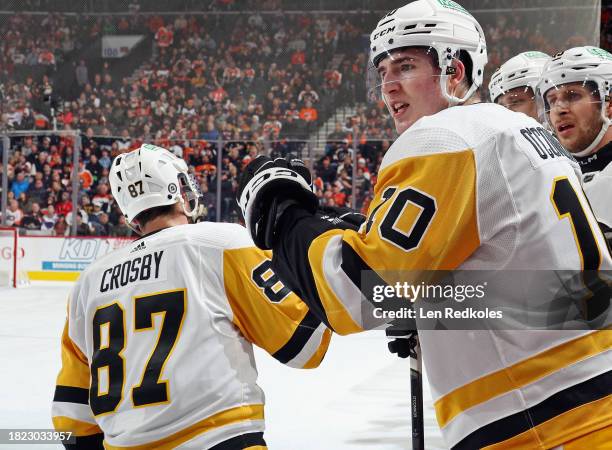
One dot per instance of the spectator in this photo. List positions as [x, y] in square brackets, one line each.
[32, 220]
[64, 206]
[81, 73]
[60, 228]
[14, 214]
[20, 184]
[37, 191]
[101, 227]
[48, 219]
[121, 229]
[309, 113]
[82, 228]
[327, 172]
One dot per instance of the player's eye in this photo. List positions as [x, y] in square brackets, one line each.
[406, 67]
[573, 96]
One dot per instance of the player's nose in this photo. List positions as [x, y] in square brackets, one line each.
[390, 86]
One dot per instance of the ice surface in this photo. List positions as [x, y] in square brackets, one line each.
[358, 399]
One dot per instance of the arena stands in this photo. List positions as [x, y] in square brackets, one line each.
[247, 78]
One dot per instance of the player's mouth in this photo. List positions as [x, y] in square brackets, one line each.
[399, 108]
[564, 129]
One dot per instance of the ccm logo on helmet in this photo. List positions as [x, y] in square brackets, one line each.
[383, 32]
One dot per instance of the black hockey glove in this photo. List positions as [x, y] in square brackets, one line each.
[266, 189]
[344, 218]
[402, 340]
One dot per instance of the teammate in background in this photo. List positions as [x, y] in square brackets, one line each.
[574, 98]
[465, 186]
[157, 347]
[513, 85]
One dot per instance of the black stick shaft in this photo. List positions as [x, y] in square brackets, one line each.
[416, 400]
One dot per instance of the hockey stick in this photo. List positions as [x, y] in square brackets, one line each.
[405, 343]
[416, 397]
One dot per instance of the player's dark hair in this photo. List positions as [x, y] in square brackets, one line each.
[464, 57]
[148, 215]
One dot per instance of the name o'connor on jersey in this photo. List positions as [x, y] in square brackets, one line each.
[141, 268]
[544, 143]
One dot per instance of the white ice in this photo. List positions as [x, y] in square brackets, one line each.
[359, 398]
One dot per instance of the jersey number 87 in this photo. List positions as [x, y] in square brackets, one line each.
[109, 345]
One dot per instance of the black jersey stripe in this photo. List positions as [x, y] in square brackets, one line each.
[572, 397]
[300, 338]
[92, 442]
[71, 395]
[241, 442]
[297, 229]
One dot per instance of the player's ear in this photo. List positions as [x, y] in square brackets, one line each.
[456, 80]
[608, 107]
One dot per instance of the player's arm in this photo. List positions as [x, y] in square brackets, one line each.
[71, 411]
[423, 215]
[269, 314]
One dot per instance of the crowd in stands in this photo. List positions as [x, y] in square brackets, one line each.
[256, 82]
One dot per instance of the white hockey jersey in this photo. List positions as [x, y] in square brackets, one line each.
[157, 353]
[598, 188]
[478, 187]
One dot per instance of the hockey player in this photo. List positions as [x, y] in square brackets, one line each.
[574, 97]
[157, 348]
[465, 186]
[513, 85]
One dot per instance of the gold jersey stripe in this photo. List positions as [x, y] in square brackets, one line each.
[316, 359]
[77, 427]
[520, 374]
[253, 311]
[597, 440]
[75, 368]
[224, 418]
[582, 420]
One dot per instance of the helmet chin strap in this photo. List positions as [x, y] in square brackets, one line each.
[604, 127]
[452, 99]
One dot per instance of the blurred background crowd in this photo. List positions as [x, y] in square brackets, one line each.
[217, 83]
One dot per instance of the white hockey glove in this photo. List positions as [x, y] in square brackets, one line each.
[267, 188]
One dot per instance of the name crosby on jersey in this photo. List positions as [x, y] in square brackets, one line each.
[141, 268]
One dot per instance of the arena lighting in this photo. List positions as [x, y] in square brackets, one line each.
[6, 144]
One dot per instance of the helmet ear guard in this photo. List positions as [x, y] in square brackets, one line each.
[191, 198]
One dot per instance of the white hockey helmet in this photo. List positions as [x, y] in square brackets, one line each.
[578, 65]
[150, 177]
[523, 70]
[442, 25]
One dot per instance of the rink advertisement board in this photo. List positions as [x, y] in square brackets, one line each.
[63, 258]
